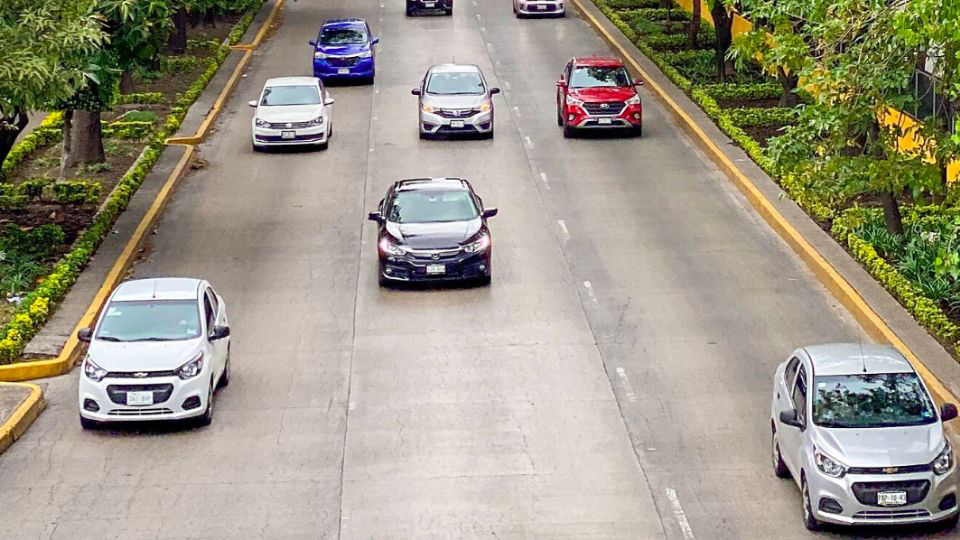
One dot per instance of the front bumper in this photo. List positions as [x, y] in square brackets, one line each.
[110, 395]
[856, 512]
[540, 8]
[414, 268]
[434, 123]
[336, 68]
[430, 5]
[629, 118]
[263, 136]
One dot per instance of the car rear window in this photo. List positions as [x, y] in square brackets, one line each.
[871, 400]
[432, 206]
[594, 76]
[290, 95]
[150, 320]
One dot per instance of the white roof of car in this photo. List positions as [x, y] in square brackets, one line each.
[157, 289]
[453, 68]
[291, 81]
[853, 358]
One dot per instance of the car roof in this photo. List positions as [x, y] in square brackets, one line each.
[856, 358]
[333, 23]
[157, 289]
[291, 81]
[453, 68]
[597, 61]
[414, 184]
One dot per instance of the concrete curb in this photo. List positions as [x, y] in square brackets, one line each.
[64, 362]
[24, 415]
[836, 277]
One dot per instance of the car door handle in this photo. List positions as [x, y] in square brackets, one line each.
[778, 395]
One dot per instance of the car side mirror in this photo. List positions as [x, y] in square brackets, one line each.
[415, 91]
[490, 212]
[374, 41]
[561, 83]
[638, 82]
[328, 101]
[948, 411]
[86, 334]
[494, 90]
[252, 103]
[375, 216]
[312, 43]
[790, 418]
[219, 332]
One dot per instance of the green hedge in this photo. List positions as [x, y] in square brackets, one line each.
[633, 4]
[144, 98]
[743, 91]
[49, 130]
[133, 130]
[48, 190]
[759, 117]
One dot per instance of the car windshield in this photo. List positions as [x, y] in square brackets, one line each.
[432, 206]
[594, 76]
[343, 36]
[457, 83]
[150, 320]
[870, 401]
[290, 95]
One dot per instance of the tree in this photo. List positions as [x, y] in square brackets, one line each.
[783, 62]
[43, 46]
[720, 11]
[693, 27]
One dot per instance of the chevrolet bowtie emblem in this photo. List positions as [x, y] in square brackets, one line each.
[890, 470]
[289, 125]
[140, 374]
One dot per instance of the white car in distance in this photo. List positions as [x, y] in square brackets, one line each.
[159, 350]
[292, 111]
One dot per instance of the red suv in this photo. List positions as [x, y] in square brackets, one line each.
[597, 93]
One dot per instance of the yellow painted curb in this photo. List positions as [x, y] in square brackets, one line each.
[22, 417]
[875, 326]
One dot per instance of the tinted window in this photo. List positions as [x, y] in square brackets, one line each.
[150, 320]
[589, 77]
[343, 36]
[878, 400]
[465, 83]
[791, 371]
[432, 206]
[800, 396]
[291, 95]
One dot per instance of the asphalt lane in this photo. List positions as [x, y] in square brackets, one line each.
[612, 382]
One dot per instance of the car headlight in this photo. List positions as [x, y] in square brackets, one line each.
[944, 461]
[574, 101]
[828, 465]
[427, 108]
[93, 371]
[262, 123]
[318, 121]
[390, 248]
[367, 53]
[192, 368]
[635, 100]
[485, 106]
[480, 244]
[319, 55]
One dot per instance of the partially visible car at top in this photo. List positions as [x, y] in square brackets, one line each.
[158, 351]
[292, 111]
[345, 49]
[416, 6]
[433, 229]
[598, 93]
[527, 8]
[455, 99]
[856, 428]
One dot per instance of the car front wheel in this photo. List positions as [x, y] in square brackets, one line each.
[810, 521]
[207, 417]
[87, 423]
[779, 467]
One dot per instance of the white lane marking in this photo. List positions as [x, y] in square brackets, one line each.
[626, 382]
[680, 515]
[516, 110]
[506, 83]
[589, 287]
[543, 178]
[563, 227]
[528, 140]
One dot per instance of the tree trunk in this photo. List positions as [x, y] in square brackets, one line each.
[210, 18]
[10, 128]
[82, 140]
[693, 28]
[177, 44]
[789, 83]
[891, 213]
[126, 83]
[195, 19]
[723, 24]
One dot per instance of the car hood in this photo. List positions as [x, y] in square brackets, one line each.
[454, 102]
[289, 113]
[434, 235]
[143, 355]
[603, 93]
[343, 49]
[882, 447]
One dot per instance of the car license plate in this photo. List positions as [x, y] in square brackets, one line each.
[434, 269]
[456, 123]
[139, 398]
[429, 4]
[605, 121]
[288, 135]
[542, 7]
[343, 71]
[892, 498]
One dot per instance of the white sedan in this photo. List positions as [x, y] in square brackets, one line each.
[292, 111]
[159, 350]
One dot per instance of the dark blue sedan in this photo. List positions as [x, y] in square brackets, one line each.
[345, 50]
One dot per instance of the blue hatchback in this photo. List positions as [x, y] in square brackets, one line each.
[344, 50]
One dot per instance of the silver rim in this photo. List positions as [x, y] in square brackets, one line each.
[776, 452]
[807, 512]
[210, 402]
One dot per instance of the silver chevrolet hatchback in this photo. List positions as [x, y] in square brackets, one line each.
[856, 428]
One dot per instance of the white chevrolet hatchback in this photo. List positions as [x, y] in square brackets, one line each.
[158, 351]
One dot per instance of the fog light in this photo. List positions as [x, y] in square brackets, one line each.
[388, 271]
[636, 116]
[948, 502]
[483, 267]
[830, 506]
[191, 402]
[571, 118]
[90, 405]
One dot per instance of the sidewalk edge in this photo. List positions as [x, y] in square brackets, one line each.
[24, 415]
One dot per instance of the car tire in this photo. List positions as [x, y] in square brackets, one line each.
[257, 148]
[206, 418]
[382, 281]
[225, 376]
[448, 12]
[559, 117]
[88, 424]
[424, 136]
[810, 521]
[779, 467]
[484, 281]
[324, 145]
[950, 523]
[568, 132]
[637, 131]
[488, 135]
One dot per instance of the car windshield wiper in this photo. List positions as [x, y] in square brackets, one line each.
[155, 339]
[110, 338]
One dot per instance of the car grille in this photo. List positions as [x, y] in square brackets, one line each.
[606, 107]
[890, 470]
[289, 125]
[118, 392]
[881, 515]
[139, 374]
[546, 8]
[343, 61]
[434, 254]
[866, 492]
[457, 113]
[140, 412]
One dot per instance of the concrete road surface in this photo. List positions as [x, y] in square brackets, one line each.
[612, 382]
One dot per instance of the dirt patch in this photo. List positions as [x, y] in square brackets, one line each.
[763, 134]
[120, 156]
[749, 103]
[73, 219]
